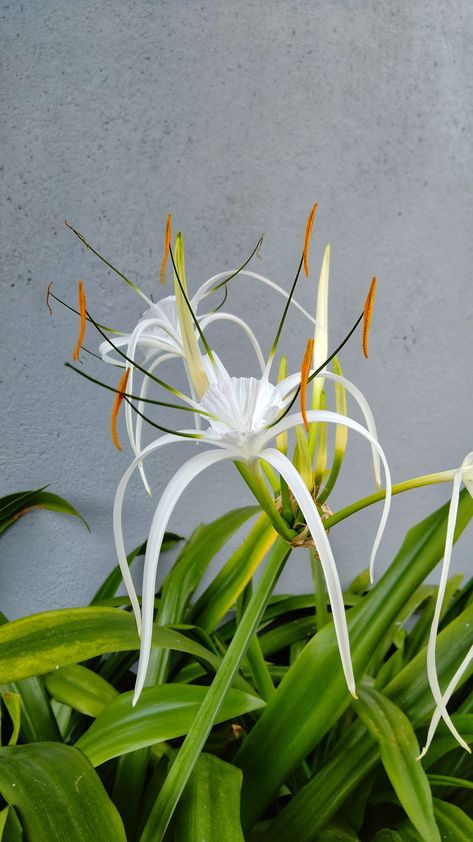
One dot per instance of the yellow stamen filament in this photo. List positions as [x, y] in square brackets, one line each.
[48, 293]
[367, 312]
[167, 244]
[83, 321]
[116, 408]
[308, 232]
[305, 368]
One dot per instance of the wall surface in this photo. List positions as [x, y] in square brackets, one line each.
[235, 116]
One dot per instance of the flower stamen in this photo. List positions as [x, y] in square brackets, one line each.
[48, 293]
[116, 407]
[308, 232]
[167, 245]
[367, 312]
[83, 320]
[305, 368]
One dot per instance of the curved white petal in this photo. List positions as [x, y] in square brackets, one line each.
[214, 317]
[329, 417]
[151, 367]
[431, 663]
[117, 517]
[289, 383]
[206, 289]
[313, 520]
[437, 715]
[168, 501]
[106, 349]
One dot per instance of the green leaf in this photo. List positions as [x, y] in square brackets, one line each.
[356, 754]
[45, 642]
[38, 722]
[313, 695]
[58, 795]
[404, 834]
[163, 712]
[454, 824]
[448, 781]
[399, 749]
[14, 506]
[185, 575]
[209, 810]
[109, 587]
[12, 702]
[232, 579]
[80, 688]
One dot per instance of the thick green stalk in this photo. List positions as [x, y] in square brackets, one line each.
[313, 694]
[195, 740]
[255, 481]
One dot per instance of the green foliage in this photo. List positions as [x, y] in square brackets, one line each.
[247, 731]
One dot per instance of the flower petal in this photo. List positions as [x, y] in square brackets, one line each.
[313, 520]
[117, 518]
[164, 510]
[431, 662]
[335, 418]
[206, 289]
[437, 715]
[214, 317]
[152, 366]
[291, 382]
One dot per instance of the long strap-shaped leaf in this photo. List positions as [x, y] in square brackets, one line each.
[399, 748]
[216, 694]
[357, 753]
[210, 806]
[313, 695]
[57, 794]
[164, 712]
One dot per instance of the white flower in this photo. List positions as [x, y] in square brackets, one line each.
[462, 474]
[244, 410]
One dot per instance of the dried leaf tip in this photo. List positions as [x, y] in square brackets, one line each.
[83, 318]
[305, 369]
[48, 293]
[116, 408]
[367, 312]
[167, 245]
[308, 232]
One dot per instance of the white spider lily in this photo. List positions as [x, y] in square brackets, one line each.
[462, 474]
[159, 339]
[242, 411]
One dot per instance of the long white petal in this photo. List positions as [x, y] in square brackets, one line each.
[151, 367]
[168, 501]
[431, 663]
[437, 715]
[206, 287]
[313, 520]
[329, 417]
[214, 317]
[289, 383]
[117, 517]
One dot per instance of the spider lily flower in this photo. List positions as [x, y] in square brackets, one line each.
[462, 474]
[243, 422]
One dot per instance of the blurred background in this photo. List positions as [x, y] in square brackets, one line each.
[235, 117]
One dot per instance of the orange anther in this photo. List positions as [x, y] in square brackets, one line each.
[305, 368]
[116, 407]
[367, 311]
[83, 319]
[167, 245]
[308, 232]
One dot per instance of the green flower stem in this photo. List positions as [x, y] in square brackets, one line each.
[193, 744]
[407, 485]
[254, 479]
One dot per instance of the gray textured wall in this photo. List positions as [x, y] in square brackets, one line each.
[235, 116]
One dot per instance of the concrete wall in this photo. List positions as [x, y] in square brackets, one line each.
[235, 116]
